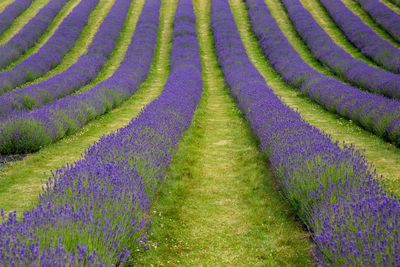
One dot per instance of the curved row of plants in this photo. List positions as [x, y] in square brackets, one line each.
[363, 37]
[333, 190]
[12, 11]
[24, 131]
[79, 74]
[30, 33]
[336, 58]
[384, 16]
[95, 212]
[52, 52]
[373, 112]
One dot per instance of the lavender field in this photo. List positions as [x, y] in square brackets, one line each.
[200, 133]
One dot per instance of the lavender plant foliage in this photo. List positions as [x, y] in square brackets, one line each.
[336, 58]
[23, 131]
[363, 37]
[395, 2]
[95, 211]
[52, 52]
[387, 18]
[332, 189]
[11, 12]
[30, 33]
[375, 113]
[79, 74]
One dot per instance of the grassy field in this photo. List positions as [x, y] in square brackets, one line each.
[219, 205]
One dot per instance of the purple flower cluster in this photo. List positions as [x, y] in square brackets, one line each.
[25, 131]
[374, 112]
[333, 190]
[52, 52]
[30, 33]
[383, 15]
[336, 58]
[11, 12]
[96, 211]
[79, 74]
[363, 37]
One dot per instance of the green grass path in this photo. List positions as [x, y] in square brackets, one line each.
[219, 206]
[391, 5]
[384, 156]
[20, 182]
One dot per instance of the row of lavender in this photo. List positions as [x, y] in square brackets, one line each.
[30, 33]
[336, 58]
[363, 37]
[79, 74]
[375, 113]
[354, 222]
[95, 211]
[383, 15]
[12, 11]
[52, 52]
[24, 131]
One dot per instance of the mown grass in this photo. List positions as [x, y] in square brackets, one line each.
[219, 206]
[384, 156]
[21, 20]
[80, 47]
[4, 4]
[25, 178]
[365, 17]
[325, 21]
[47, 34]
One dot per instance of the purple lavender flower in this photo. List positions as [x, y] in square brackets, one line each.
[336, 58]
[79, 74]
[52, 52]
[333, 190]
[95, 211]
[363, 37]
[11, 12]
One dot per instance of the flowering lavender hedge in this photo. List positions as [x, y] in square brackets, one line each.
[375, 113]
[363, 37]
[30, 33]
[24, 131]
[336, 58]
[11, 12]
[95, 211]
[79, 74]
[383, 15]
[52, 52]
[332, 189]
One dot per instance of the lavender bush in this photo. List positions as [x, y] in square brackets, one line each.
[333, 190]
[52, 52]
[24, 131]
[79, 74]
[375, 113]
[11, 12]
[363, 37]
[94, 212]
[336, 58]
[383, 15]
[30, 33]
